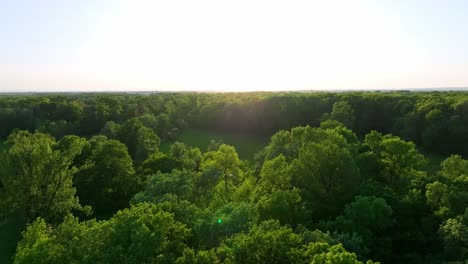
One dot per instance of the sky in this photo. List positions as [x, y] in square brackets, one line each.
[242, 45]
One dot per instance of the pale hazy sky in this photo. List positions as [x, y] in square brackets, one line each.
[232, 45]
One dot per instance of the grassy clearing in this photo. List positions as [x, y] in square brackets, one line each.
[246, 145]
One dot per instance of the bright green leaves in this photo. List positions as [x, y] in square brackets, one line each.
[448, 195]
[225, 159]
[454, 233]
[397, 162]
[276, 173]
[266, 243]
[319, 162]
[323, 253]
[39, 245]
[455, 169]
[141, 234]
[226, 162]
[437, 195]
[37, 174]
[178, 182]
[269, 242]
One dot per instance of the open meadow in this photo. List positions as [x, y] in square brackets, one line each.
[246, 145]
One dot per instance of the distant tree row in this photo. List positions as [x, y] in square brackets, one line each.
[435, 121]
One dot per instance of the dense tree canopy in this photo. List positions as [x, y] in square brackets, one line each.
[109, 181]
[141, 234]
[344, 178]
[37, 175]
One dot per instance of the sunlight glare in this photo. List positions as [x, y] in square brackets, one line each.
[241, 45]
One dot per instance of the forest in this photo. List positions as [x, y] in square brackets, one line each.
[260, 177]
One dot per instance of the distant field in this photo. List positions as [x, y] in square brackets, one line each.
[246, 145]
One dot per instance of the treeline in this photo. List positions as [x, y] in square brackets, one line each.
[435, 121]
[314, 194]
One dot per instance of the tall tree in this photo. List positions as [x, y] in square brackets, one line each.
[344, 113]
[110, 182]
[37, 175]
[226, 161]
[328, 175]
[140, 140]
[398, 162]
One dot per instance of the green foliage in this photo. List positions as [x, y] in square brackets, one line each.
[160, 162]
[141, 234]
[370, 193]
[438, 196]
[246, 144]
[448, 195]
[344, 113]
[454, 232]
[326, 169]
[268, 242]
[455, 169]
[110, 129]
[328, 174]
[177, 182]
[397, 162]
[38, 246]
[190, 157]
[109, 183]
[322, 253]
[140, 140]
[338, 127]
[225, 161]
[367, 217]
[276, 173]
[37, 175]
[284, 205]
[214, 226]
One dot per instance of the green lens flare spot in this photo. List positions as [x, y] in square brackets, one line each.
[220, 220]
